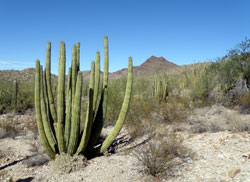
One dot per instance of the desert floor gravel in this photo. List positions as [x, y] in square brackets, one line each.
[221, 156]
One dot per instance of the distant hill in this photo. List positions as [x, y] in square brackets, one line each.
[150, 66]
[24, 75]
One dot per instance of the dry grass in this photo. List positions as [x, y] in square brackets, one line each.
[12, 125]
[218, 118]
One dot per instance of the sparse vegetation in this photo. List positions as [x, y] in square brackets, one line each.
[159, 89]
[5, 177]
[65, 163]
[18, 100]
[166, 100]
[162, 153]
[8, 128]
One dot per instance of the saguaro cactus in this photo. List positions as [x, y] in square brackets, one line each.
[59, 127]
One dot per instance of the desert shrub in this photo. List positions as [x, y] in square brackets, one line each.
[161, 154]
[175, 109]
[7, 128]
[115, 98]
[4, 177]
[139, 118]
[25, 96]
[142, 86]
[218, 118]
[196, 82]
[65, 163]
[5, 95]
[145, 110]
[245, 101]
[231, 68]
[12, 125]
[233, 125]
[239, 57]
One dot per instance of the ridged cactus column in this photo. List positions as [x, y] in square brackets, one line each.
[159, 89]
[40, 125]
[14, 95]
[48, 84]
[61, 99]
[59, 127]
[118, 126]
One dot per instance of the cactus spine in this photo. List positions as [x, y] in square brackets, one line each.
[59, 128]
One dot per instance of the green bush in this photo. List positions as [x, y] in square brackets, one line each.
[139, 118]
[5, 96]
[234, 65]
[115, 99]
[25, 96]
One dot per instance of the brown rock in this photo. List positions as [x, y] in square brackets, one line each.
[233, 172]
[189, 169]
[197, 158]
[247, 155]
[217, 147]
[234, 136]
[244, 135]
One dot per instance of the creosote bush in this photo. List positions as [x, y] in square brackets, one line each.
[139, 120]
[8, 128]
[115, 98]
[175, 110]
[162, 154]
[245, 101]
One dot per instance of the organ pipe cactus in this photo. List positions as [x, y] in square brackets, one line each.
[14, 95]
[59, 124]
[159, 90]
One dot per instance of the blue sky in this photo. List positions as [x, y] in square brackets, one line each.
[182, 31]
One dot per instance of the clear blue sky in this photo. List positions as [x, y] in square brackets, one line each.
[182, 31]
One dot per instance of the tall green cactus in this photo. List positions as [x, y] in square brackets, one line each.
[14, 95]
[159, 89]
[59, 127]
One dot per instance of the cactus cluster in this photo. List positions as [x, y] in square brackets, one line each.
[159, 90]
[59, 124]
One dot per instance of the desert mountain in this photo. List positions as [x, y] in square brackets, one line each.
[150, 66]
